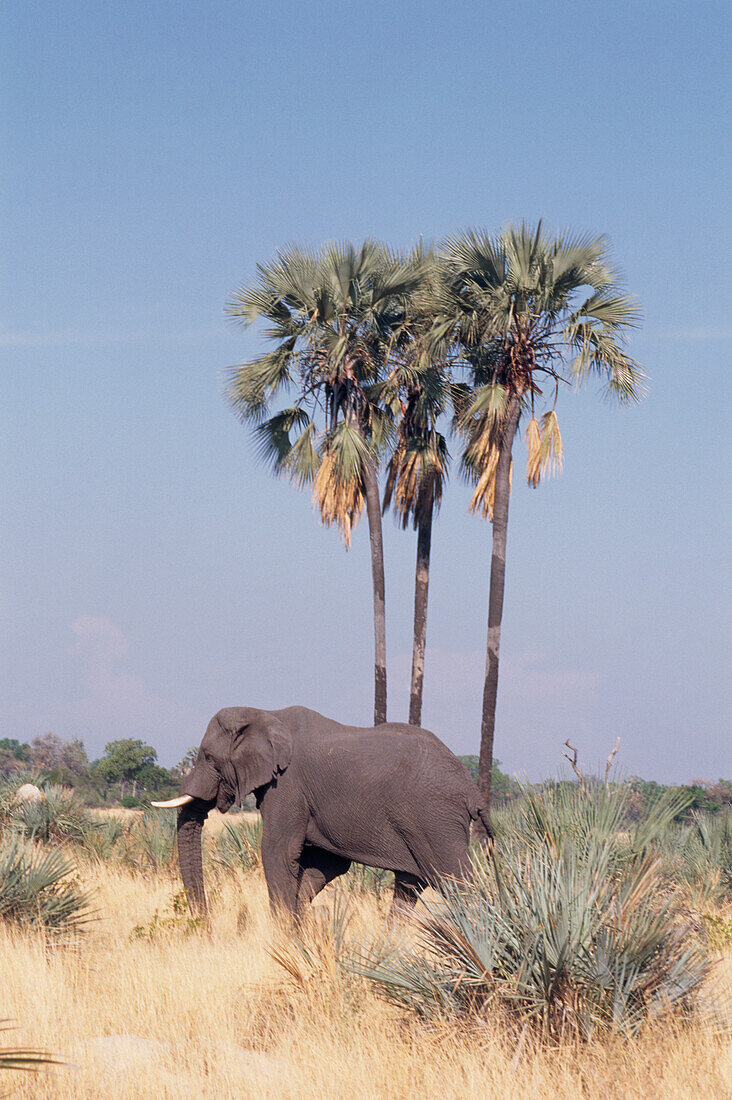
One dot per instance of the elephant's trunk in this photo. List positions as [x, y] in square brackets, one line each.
[190, 824]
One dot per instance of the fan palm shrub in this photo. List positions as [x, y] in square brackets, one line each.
[149, 842]
[60, 816]
[698, 855]
[553, 940]
[237, 848]
[333, 315]
[39, 888]
[573, 928]
[525, 313]
[104, 840]
[559, 812]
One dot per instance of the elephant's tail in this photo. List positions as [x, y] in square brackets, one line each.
[486, 835]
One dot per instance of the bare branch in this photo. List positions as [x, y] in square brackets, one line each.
[573, 761]
[608, 765]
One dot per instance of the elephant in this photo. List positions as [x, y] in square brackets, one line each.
[391, 796]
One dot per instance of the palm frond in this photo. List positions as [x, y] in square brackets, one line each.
[483, 498]
[489, 401]
[272, 438]
[478, 255]
[532, 438]
[303, 460]
[613, 312]
[252, 385]
[525, 253]
[600, 354]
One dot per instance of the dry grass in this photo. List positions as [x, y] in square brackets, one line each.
[215, 1016]
[214, 823]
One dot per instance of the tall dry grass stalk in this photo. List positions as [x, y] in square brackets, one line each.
[217, 1016]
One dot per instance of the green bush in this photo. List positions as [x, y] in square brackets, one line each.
[237, 848]
[570, 929]
[58, 817]
[698, 855]
[148, 843]
[179, 921]
[553, 941]
[718, 931]
[38, 888]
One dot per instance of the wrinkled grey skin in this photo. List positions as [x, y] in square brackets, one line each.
[390, 796]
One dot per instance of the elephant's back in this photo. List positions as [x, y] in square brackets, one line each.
[393, 754]
[399, 756]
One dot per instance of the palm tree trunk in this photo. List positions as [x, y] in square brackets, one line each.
[495, 600]
[373, 511]
[421, 591]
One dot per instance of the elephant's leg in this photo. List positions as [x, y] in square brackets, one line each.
[407, 889]
[281, 865]
[318, 869]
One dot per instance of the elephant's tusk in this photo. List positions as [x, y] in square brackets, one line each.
[182, 800]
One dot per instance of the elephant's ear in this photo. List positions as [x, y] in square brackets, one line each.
[261, 750]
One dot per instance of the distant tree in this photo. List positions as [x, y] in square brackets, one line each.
[708, 797]
[504, 788]
[127, 761]
[721, 792]
[64, 761]
[643, 793]
[47, 751]
[153, 777]
[75, 757]
[185, 765]
[14, 755]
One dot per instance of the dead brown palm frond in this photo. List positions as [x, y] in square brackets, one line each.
[480, 462]
[415, 480]
[532, 438]
[483, 498]
[551, 443]
[339, 501]
[300, 968]
[544, 444]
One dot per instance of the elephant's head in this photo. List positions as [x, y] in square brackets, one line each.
[242, 750]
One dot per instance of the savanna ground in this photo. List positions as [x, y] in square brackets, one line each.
[236, 1012]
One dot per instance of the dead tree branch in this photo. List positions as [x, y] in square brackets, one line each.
[573, 761]
[608, 765]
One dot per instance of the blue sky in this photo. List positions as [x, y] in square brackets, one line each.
[151, 571]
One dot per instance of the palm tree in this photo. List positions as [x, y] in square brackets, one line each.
[333, 314]
[416, 393]
[526, 308]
